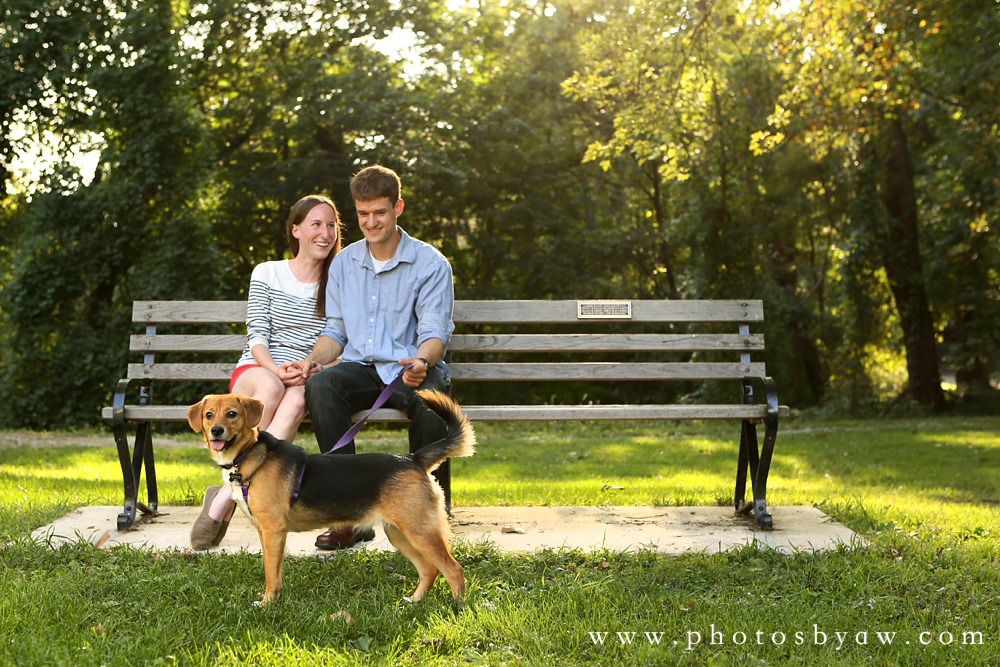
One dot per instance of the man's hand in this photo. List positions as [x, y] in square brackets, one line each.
[416, 374]
[305, 369]
[293, 373]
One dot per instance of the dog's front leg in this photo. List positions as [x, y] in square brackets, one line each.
[272, 544]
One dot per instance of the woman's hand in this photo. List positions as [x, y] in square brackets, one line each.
[291, 374]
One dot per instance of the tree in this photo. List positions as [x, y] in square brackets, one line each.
[192, 104]
[687, 85]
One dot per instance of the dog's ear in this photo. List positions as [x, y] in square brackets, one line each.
[252, 408]
[194, 415]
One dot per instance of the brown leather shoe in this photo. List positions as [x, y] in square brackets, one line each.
[344, 538]
[205, 531]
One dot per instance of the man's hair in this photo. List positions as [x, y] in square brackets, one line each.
[375, 182]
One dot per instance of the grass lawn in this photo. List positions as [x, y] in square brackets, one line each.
[925, 493]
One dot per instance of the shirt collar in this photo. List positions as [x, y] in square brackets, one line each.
[406, 251]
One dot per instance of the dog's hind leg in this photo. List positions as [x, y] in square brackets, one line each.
[425, 569]
[438, 552]
[432, 545]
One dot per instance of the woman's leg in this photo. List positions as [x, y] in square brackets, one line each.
[265, 386]
[288, 415]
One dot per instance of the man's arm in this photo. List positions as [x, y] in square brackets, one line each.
[325, 351]
[431, 350]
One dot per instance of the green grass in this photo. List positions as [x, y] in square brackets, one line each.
[924, 493]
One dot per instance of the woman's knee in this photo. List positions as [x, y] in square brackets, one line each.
[293, 403]
[261, 384]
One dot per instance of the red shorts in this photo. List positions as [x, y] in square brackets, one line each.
[238, 371]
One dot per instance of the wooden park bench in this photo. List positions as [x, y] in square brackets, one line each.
[494, 341]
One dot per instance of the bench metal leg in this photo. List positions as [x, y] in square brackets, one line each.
[132, 463]
[757, 461]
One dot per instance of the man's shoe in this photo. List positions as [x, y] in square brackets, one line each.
[343, 538]
[207, 532]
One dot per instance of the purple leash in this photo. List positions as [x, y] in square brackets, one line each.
[382, 398]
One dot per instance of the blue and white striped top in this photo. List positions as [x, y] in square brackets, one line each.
[280, 314]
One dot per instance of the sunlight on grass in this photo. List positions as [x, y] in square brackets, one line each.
[940, 475]
[924, 493]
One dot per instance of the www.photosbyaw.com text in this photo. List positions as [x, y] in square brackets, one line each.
[814, 637]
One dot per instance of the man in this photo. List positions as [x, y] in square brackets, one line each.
[389, 305]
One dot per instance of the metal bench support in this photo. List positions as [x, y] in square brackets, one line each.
[132, 463]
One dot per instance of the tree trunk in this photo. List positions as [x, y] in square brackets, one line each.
[901, 256]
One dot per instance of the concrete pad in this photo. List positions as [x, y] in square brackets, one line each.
[665, 529]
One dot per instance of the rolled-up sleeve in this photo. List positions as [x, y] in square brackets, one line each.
[335, 329]
[435, 303]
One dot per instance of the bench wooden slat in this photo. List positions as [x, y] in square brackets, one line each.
[178, 413]
[616, 412]
[500, 372]
[521, 312]
[189, 312]
[606, 343]
[187, 343]
[607, 371]
[513, 312]
[496, 343]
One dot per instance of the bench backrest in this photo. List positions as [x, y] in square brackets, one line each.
[485, 329]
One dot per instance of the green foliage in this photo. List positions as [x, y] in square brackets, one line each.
[837, 160]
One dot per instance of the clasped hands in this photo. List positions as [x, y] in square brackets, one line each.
[297, 373]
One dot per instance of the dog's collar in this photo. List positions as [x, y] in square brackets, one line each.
[239, 459]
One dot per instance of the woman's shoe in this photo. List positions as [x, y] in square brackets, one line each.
[206, 531]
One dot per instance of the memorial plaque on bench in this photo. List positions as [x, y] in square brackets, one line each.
[604, 310]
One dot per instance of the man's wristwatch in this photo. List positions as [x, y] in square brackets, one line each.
[426, 363]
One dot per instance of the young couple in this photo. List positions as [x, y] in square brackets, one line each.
[328, 330]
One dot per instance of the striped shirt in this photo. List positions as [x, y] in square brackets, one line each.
[280, 314]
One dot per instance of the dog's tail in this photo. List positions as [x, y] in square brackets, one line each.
[461, 438]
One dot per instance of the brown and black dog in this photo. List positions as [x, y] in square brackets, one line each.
[282, 489]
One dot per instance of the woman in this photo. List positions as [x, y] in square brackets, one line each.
[286, 309]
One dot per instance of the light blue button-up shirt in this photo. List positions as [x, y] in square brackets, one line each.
[383, 317]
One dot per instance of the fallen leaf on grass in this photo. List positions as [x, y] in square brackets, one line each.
[508, 529]
[342, 614]
[437, 642]
[98, 629]
[605, 565]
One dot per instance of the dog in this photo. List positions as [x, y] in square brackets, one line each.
[282, 489]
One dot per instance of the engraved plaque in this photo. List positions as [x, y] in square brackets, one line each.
[604, 310]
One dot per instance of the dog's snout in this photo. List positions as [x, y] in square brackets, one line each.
[218, 432]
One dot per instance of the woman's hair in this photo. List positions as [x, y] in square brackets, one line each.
[298, 213]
